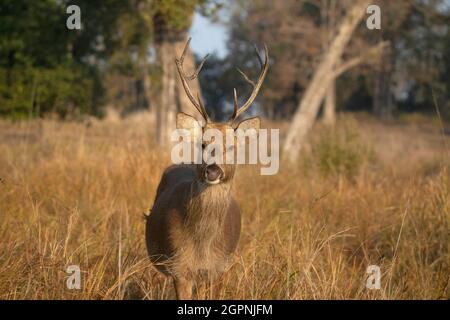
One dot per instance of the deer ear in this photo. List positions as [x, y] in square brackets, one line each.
[186, 122]
[251, 123]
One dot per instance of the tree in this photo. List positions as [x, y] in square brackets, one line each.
[292, 38]
[330, 12]
[327, 70]
[171, 21]
[298, 34]
[420, 56]
[48, 68]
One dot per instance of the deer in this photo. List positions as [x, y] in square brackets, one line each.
[194, 226]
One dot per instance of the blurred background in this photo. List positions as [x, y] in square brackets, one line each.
[122, 58]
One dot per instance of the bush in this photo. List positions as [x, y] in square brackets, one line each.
[64, 90]
[341, 152]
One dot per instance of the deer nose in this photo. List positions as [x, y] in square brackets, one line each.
[213, 173]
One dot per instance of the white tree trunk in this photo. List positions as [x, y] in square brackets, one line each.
[329, 111]
[314, 94]
[166, 107]
[170, 96]
[329, 20]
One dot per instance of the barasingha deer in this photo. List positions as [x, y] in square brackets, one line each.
[194, 225]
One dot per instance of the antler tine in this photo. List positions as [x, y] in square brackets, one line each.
[199, 68]
[186, 46]
[235, 109]
[257, 54]
[184, 80]
[246, 77]
[256, 86]
[202, 106]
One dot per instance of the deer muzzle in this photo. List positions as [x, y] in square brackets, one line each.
[213, 174]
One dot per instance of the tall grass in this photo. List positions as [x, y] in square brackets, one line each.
[362, 194]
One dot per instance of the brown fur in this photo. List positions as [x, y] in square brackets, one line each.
[195, 224]
[193, 227]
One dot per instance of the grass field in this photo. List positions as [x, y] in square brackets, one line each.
[364, 193]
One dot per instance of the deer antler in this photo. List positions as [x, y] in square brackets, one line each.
[256, 86]
[198, 104]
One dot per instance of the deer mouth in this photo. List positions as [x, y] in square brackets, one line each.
[217, 181]
[213, 174]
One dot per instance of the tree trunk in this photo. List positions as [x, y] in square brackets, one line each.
[166, 106]
[329, 111]
[329, 18]
[383, 105]
[171, 96]
[169, 43]
[310, 104]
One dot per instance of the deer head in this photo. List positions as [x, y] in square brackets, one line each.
[215, 173]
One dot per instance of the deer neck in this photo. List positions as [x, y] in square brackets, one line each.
[206, 211]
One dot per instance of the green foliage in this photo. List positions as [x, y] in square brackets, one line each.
[64, 90]
[175, 14]
[341, 153]
[38, 72]
[46, 68]
[32, 33]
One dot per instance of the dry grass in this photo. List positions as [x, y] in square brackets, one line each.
[364, 194]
